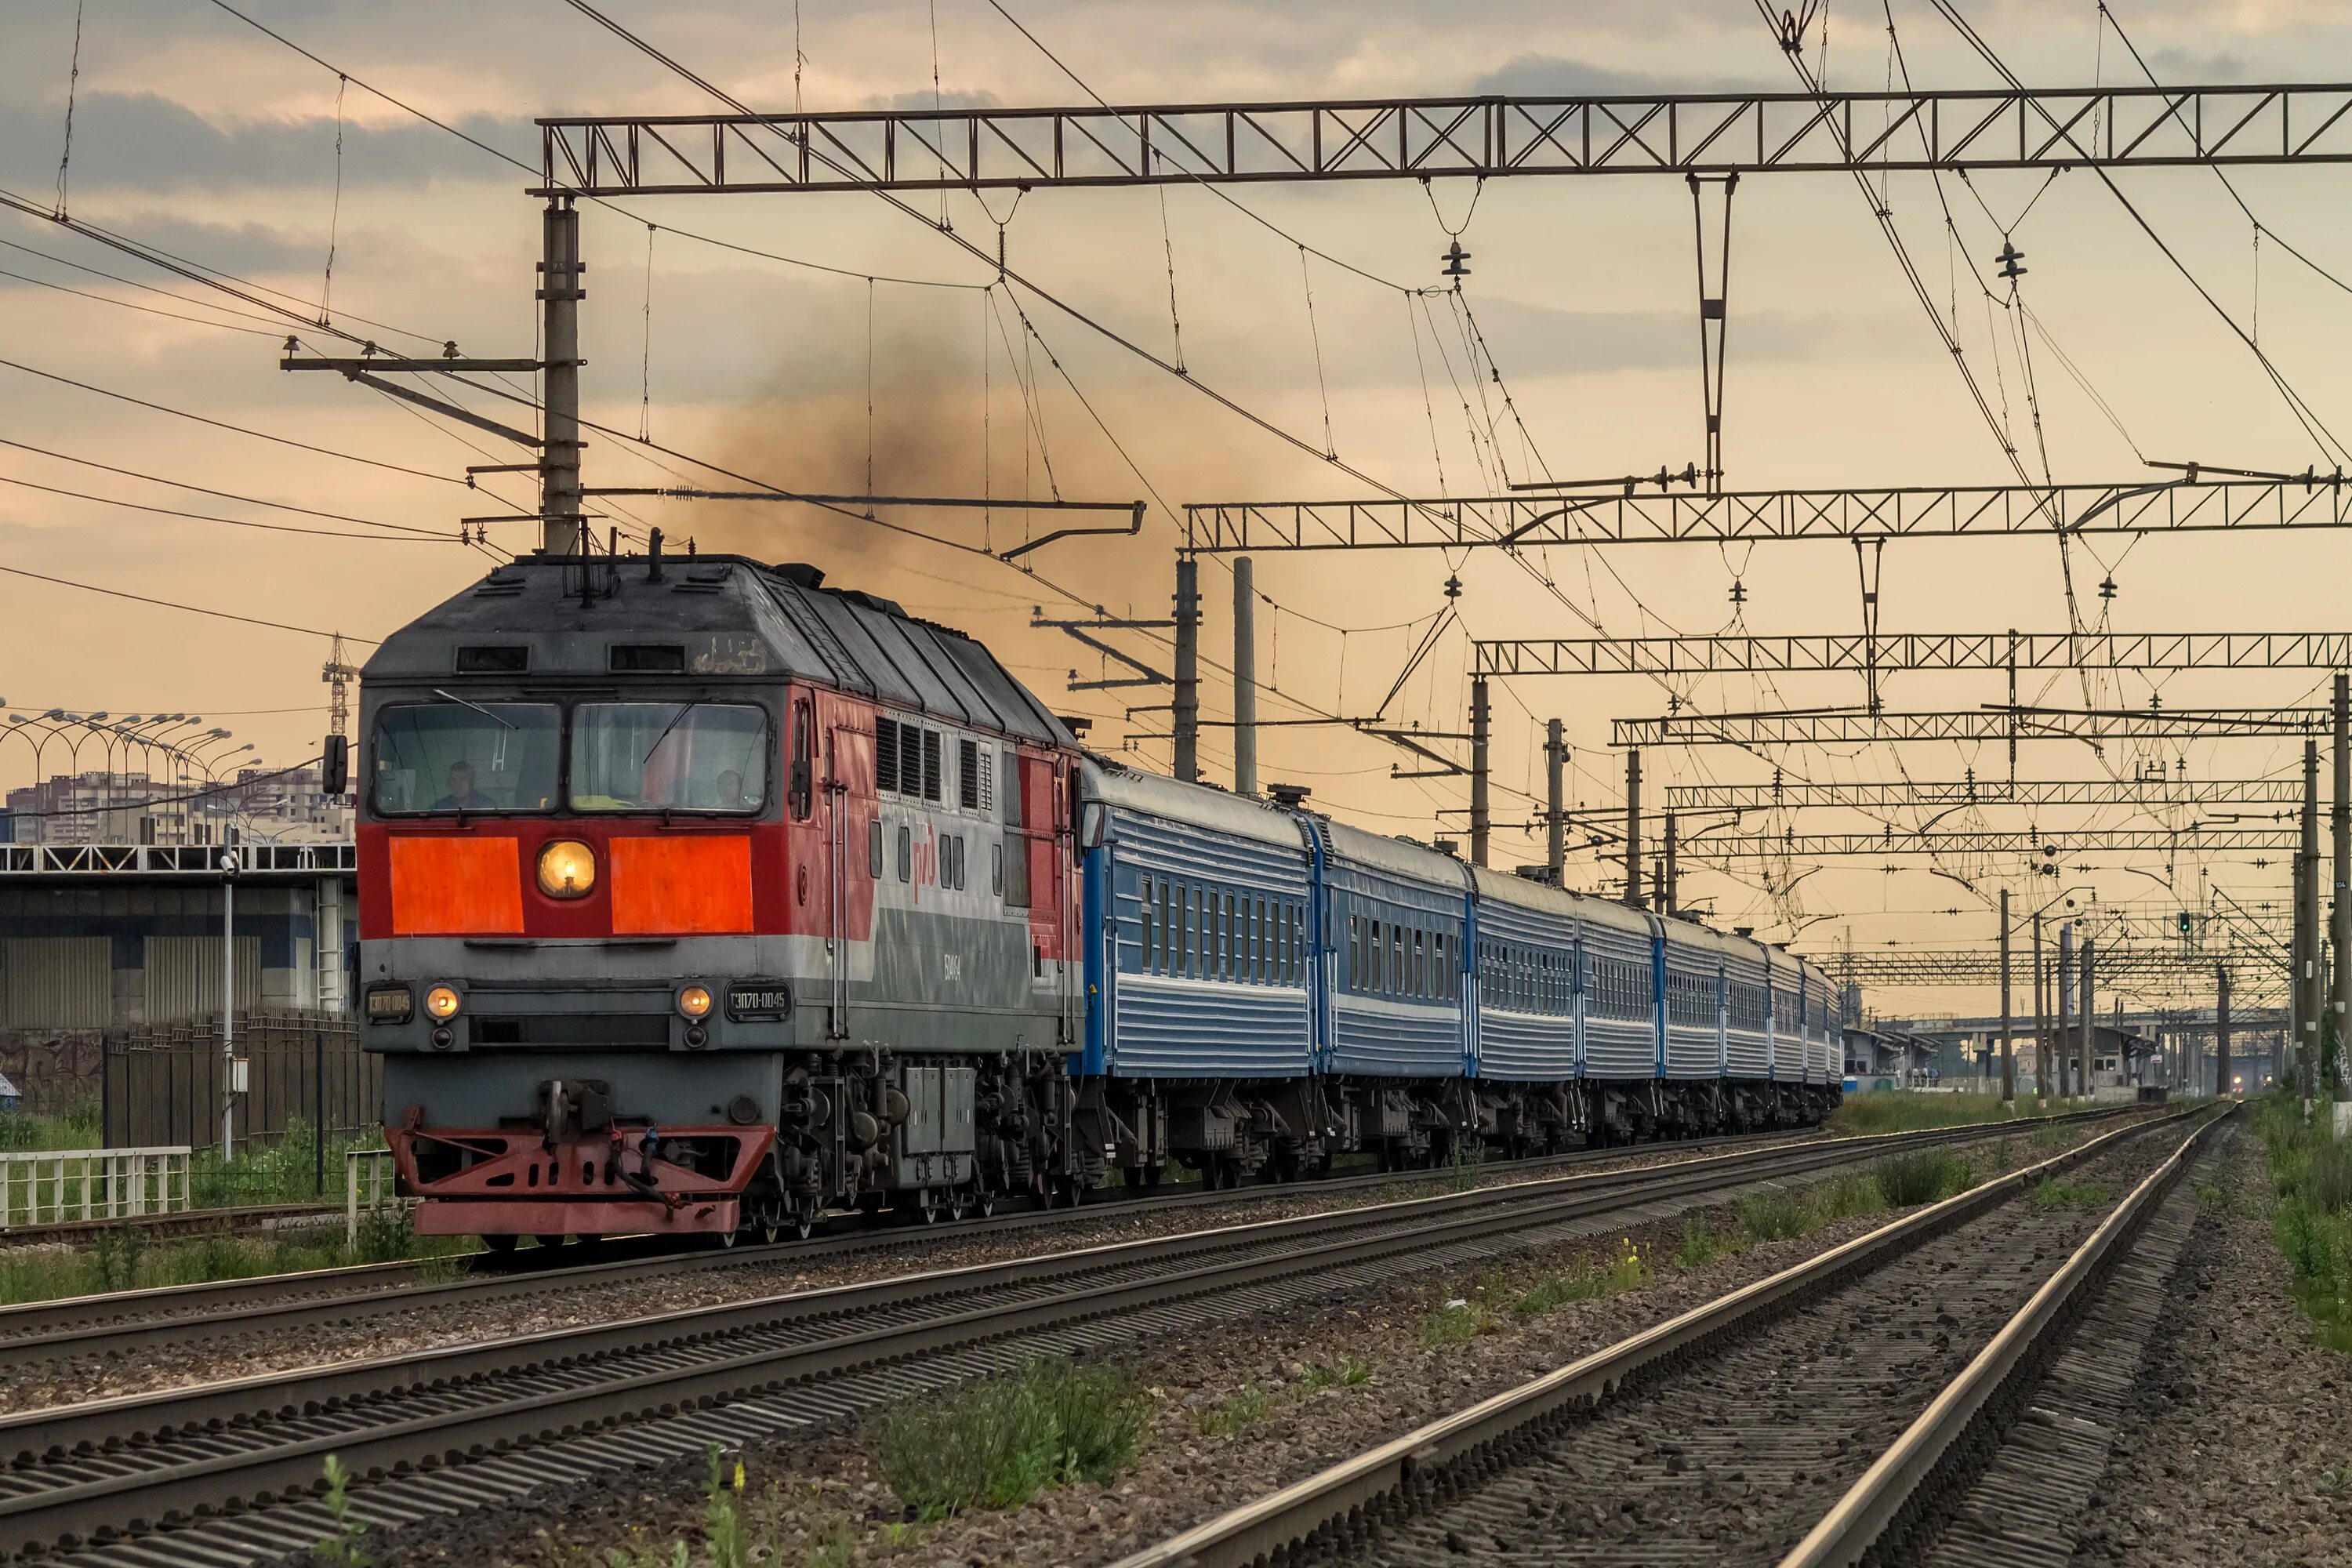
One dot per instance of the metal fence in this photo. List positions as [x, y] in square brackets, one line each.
[308, 1092]
[63, 1185]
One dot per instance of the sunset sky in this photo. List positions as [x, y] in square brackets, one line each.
[195, 133]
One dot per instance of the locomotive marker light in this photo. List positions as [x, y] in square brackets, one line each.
[567, 869]
[695, 1001]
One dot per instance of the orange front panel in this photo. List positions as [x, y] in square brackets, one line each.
[681, 886]
[456, 886]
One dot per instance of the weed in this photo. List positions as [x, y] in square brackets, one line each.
[2313, 1216]
[1455, 1322]
[1922, 1177]
[384, 1236]
[998, 1443]
[1627, 1272]
[835, 1546]
[2050, 1140]
[1558, 1288]
[1776, 1215]
[1465, 1158]
[118, 1251]
[1846, 1197]
[1235, 1414]
[2051, 1194]
[341, 1549]
[1702, 1244]
[76, 1126]
[2211, 1197]
[1347, 1372]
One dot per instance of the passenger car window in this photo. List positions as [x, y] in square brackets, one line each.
[486, 757]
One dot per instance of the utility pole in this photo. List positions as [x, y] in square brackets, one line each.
[1633, 829]
[1482, 822]
[1187, 725]
[2090, 1012]
[559, 293]
[2041, 1019]
[2065, 989]
[231, 862]
[2341, 910]
[1246, 677]
[2307, 970]
[1555, 804]
[1673, 899]
[2220, 1030]
[2008, 1056]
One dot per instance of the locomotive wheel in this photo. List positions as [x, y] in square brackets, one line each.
[728, 1237]
[769, 1232]
[502, 1246]
[984, 1204]
[547, 1240]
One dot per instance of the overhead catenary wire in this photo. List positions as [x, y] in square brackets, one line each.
[417, 536]
[175, 604]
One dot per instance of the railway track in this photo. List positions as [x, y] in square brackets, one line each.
[1740, 1432]
[463, 1427]
[125, 1322]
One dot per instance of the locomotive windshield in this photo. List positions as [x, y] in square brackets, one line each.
[488, 757]
[669, 756]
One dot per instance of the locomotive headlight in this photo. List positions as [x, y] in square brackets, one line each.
[441, 1002]
[567, 869]
[695, 1001]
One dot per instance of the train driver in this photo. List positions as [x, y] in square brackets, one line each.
[731, 792]
[463, 795]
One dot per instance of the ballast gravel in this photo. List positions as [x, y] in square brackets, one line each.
[2240, 1446]
[1333, 1379]
[234, 1353]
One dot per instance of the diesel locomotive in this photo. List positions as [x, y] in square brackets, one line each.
[698, 896]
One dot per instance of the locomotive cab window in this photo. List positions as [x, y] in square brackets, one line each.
[669, 756]
[446, 757]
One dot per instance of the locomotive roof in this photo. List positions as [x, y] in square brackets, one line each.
[737, 619]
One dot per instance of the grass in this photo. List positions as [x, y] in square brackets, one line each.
[340, 1547]
[1347, 1372]
[1703, 1244]
[28, 1131]
[1236, 1413]
[2311, 1173]
[1922, 1177]
[998, 1443]
[126, 1258]
[1902, 1110]
[2051, 1194]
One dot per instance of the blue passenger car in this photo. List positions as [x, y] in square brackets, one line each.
[1525, 957]
[1198, 963]
[1396, 915]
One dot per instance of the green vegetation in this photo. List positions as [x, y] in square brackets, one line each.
[1347, 1372]
[2313, 1220]
[1922, 1177]
[28, 1131]
[1904, 1111]
[1235, 1414]
[1702, 1243]
[998, 1443]
[341, 1548]
[1460, 1319]
[2051, 1194]
[126, 1258]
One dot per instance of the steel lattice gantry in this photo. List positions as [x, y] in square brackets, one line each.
[1972, 966]
[1887, 652]
[1420, 138]
[1858, 726]
[1794, 795]
[2185, 506]
[2043, 844]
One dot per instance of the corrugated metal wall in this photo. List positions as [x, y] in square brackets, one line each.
[59, 981]
[183, 976]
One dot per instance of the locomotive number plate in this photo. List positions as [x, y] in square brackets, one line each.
[759, 1000]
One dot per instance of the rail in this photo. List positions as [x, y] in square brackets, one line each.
[1261, 1529]
[61, 1185]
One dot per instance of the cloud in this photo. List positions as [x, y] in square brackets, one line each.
[1551, 76]
[149, 143]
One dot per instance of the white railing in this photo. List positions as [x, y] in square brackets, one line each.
[58, 1185]
[371, 1169]
[194, 860]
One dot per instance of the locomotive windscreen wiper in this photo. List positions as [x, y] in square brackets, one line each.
[453, 697]
[683, 708]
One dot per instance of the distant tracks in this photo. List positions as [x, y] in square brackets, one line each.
[1695, 1435]
[459, 1427]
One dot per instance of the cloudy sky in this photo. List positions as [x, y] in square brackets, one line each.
[1569, 350]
